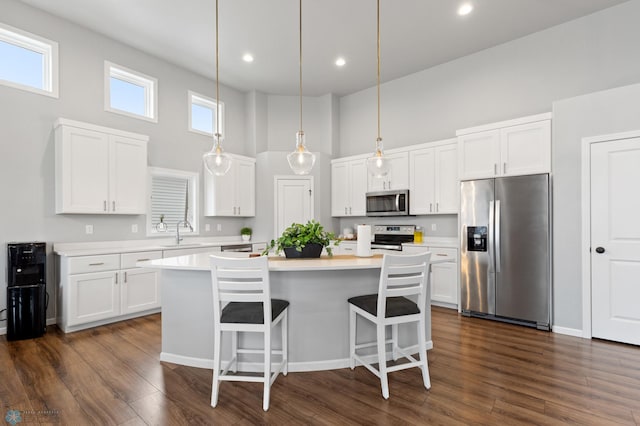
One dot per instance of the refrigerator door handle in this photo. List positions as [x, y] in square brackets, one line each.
[497, 235]
[491, 238]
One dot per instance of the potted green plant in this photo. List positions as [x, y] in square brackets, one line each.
[245, 233]
[303, 241]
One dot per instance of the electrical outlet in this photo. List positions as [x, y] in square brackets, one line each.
[219, 227]
[88, 229]
[207, 227]
[434, 227]
[134, 228]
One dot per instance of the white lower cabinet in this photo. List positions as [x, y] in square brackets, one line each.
[96, 290]
[93, 297]
[444, 276]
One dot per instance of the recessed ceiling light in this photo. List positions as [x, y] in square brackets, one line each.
[247, 57]
[465, 9]
[340, 62]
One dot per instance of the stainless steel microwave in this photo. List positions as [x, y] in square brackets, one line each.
[388, 203]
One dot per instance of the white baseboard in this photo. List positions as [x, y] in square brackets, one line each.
[295, 367]
[568, 331]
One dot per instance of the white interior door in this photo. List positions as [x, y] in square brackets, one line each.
[615, 240]
[294, 201]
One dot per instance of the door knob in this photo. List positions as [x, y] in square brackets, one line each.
[600, 250]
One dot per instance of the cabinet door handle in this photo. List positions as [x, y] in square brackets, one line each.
[495, 168]
[430, 207]
[105, 205]
[440, 254]
[437, 207]
[125, 277]
[113, 206]
[142, 260]
[96, 264]
[238, 210]
[116, 274]
[349, 210]
[345, 210]
[234, 211]
[504, 167]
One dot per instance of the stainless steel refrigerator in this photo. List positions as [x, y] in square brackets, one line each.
[505, 251]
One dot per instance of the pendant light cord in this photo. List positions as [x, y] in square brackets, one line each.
[217, 134]
[378, 30]
[300, 38]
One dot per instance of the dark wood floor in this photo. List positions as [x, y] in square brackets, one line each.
[482, 372]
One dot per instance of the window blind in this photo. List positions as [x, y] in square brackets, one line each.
[169, 200]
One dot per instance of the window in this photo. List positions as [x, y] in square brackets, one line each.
[130, 93]
[174, 196]
[202, 114]
[28, 62]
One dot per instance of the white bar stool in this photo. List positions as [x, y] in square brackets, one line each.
[242, 285]
[401, 276]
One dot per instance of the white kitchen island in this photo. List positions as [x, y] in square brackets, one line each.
[317, 290]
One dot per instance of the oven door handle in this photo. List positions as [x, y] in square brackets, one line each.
[397, 202]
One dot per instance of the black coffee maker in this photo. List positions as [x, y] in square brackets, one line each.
[26, 290]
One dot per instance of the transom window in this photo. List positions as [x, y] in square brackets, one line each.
[28, 62]
[173, 199]
[202, 110]
[130, 92]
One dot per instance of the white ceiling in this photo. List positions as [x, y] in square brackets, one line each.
[415, 34]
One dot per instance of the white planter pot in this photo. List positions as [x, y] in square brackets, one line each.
[246, 237]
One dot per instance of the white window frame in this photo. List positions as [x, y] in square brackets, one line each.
[207, 102]
[150, 85]
[194, 198]
[46, 47]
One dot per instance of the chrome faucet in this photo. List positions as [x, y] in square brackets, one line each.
[187, 224]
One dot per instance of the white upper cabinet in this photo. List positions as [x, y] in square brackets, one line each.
[433, 186]
[348, 187]
[99, 170]
[233, 194]
[516, 147]
[398, 176]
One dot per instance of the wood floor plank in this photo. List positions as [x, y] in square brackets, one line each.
[51, 400]
[127, 384]
[482, 373]
[93, 394]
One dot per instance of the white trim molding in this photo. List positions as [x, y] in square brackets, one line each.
[50, 64]
[585, 246]
[148, 83]
[194, 98]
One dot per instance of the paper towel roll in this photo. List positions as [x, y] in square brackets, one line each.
[363, 247]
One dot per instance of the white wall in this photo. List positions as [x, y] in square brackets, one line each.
[283, 117]
[518, 78]
[606, 112]
[26, 138]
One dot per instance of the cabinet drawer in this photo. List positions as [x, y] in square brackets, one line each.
[444, 253]
[103, 262]
[128, 260]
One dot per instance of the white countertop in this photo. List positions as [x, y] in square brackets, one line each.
[129, 246]
[447, 242]
[200, 262]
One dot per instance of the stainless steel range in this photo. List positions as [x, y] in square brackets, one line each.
[391, 237]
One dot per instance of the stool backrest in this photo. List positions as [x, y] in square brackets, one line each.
[240, 280]
[403, 275]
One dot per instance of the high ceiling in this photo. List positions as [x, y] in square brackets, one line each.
[415, 34]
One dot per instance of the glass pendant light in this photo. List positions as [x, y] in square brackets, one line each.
[216, 161]
[300, 160]
[378, 164]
